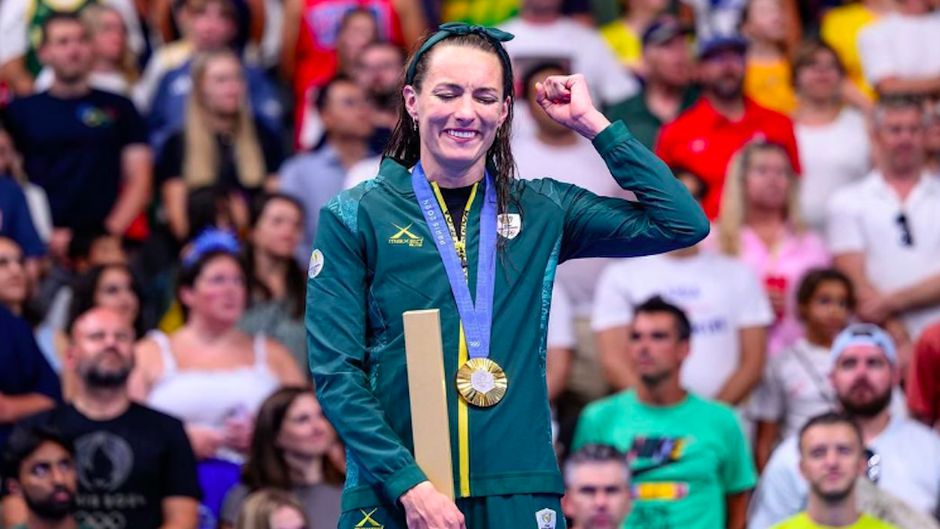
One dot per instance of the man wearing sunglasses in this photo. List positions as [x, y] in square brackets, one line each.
[884, 231]
[690, 462]
[903, 455]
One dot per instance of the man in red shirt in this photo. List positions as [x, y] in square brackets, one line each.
[923, 382]
[704, 138]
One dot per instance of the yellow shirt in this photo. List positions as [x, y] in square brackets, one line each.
[802, 521]
[483, 12]
[768, 83]
[840, 29]
[624, 42]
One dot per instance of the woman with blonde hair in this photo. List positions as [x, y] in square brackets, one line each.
[220, 145]
[760, 224]
[271, 509]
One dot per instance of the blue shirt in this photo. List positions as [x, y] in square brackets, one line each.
[15, 221]
[25, 369]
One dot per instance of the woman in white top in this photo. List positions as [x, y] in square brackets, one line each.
[210, 374]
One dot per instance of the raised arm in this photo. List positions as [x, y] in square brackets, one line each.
[664, 217]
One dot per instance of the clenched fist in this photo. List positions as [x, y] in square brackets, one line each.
[567, 100]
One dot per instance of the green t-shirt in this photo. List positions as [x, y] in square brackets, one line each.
[685, 458]
[802, 521]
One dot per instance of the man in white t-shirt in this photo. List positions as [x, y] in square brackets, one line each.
[899, 52]
[724, 300]
[884, 231]
[904, 455]
[542, 34]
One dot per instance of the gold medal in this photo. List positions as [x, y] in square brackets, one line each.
[482, 382]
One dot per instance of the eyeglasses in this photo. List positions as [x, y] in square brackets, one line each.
[872, 465]
[907, 238]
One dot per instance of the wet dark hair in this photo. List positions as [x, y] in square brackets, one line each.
[657, 305]
[815, 277]
[404, 146]
[296, 280]
[83, 295]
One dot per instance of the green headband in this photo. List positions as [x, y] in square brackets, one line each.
[449, 29]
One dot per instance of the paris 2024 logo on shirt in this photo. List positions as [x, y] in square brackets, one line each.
[94, 117]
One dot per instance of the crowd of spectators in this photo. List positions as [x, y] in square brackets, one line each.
[162, 168]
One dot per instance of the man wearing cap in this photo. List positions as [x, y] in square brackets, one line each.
[705, 137]
[668, 90]
[903, 455]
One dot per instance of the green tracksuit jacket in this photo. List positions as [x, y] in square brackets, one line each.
[377, 260]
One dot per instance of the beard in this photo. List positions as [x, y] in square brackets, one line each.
[866, 409]
[833, 497]
[97, 377]
[49, 508]
[651, 380]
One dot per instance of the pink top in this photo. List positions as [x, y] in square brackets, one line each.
[793, 256]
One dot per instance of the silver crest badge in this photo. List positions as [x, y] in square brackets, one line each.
[508, 225]
[316, 264]
[545, 519]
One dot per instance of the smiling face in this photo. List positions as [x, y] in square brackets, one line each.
[459, 106]
[305, 430]
[218, 293]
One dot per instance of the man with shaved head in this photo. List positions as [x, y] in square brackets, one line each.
[136, 469]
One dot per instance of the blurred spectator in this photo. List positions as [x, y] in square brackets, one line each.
[21, 22]
[483, 12]
[111, 286]
[895, 60]
[85, 147]
[883, 229]
[292, 450]
[715, 18]
[27, 383]
[624, 35]
[840, 29]
[378, 71]
[11, 166]
[213, 27]
[543, 34]
[114, 65]
[831, 458]
[191, 374]
[311, 34]
[16, 224]
[668, 89]
[597, 488]
[221, 144]
[727, 306]
[272, 509]
[276, 283]
[760, 224]
[923, 383]
[932, 141]
[832, 137]
[796, 382]
[705, 137]
[39, 467]
[864, 373]
[767, 78]
[14, 282]
[690, 462]
[135, 467]
[314, 177]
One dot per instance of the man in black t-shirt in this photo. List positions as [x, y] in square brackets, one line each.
[86, 148]
[135, 466]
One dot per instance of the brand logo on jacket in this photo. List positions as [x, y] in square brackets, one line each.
[368, 522]
[405, 237]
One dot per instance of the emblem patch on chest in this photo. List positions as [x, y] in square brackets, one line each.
[403, 236]
[508, 225]
[546, 519]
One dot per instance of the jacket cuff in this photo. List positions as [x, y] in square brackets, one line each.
[616, 132]
[402, 481]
